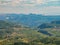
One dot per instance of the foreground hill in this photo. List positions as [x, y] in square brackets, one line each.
[16, 34]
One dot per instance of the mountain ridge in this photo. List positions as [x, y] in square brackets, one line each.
[29, 20]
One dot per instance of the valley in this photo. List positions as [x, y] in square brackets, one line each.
[29, 30]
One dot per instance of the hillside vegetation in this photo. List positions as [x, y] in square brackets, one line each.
[18, 34]
[52, 28]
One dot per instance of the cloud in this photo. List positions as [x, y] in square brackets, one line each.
[29, 3]
[17, 3]
[30, 6]
[22, 2]
[54, 0]
[39, 1]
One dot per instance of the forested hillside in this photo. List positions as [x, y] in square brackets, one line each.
[17, 34]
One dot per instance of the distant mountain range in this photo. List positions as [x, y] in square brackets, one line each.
[32, 20]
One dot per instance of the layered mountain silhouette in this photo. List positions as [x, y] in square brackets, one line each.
[32, 20]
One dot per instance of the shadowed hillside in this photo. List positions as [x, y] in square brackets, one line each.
[52, 28]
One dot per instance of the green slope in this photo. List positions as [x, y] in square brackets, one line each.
[16, 34]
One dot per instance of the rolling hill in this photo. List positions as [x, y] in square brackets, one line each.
[12, 32]
[22, 35]
[52, 28]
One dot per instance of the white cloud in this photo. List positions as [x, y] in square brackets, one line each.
[53, 0]
[28, 6]
[15, 2]
[51, 10]
[40, 1]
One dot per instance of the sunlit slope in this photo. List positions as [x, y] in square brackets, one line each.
[12, 33]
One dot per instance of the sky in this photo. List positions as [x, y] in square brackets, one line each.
[46, 7]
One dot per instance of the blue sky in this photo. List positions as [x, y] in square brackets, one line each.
[47, 7]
